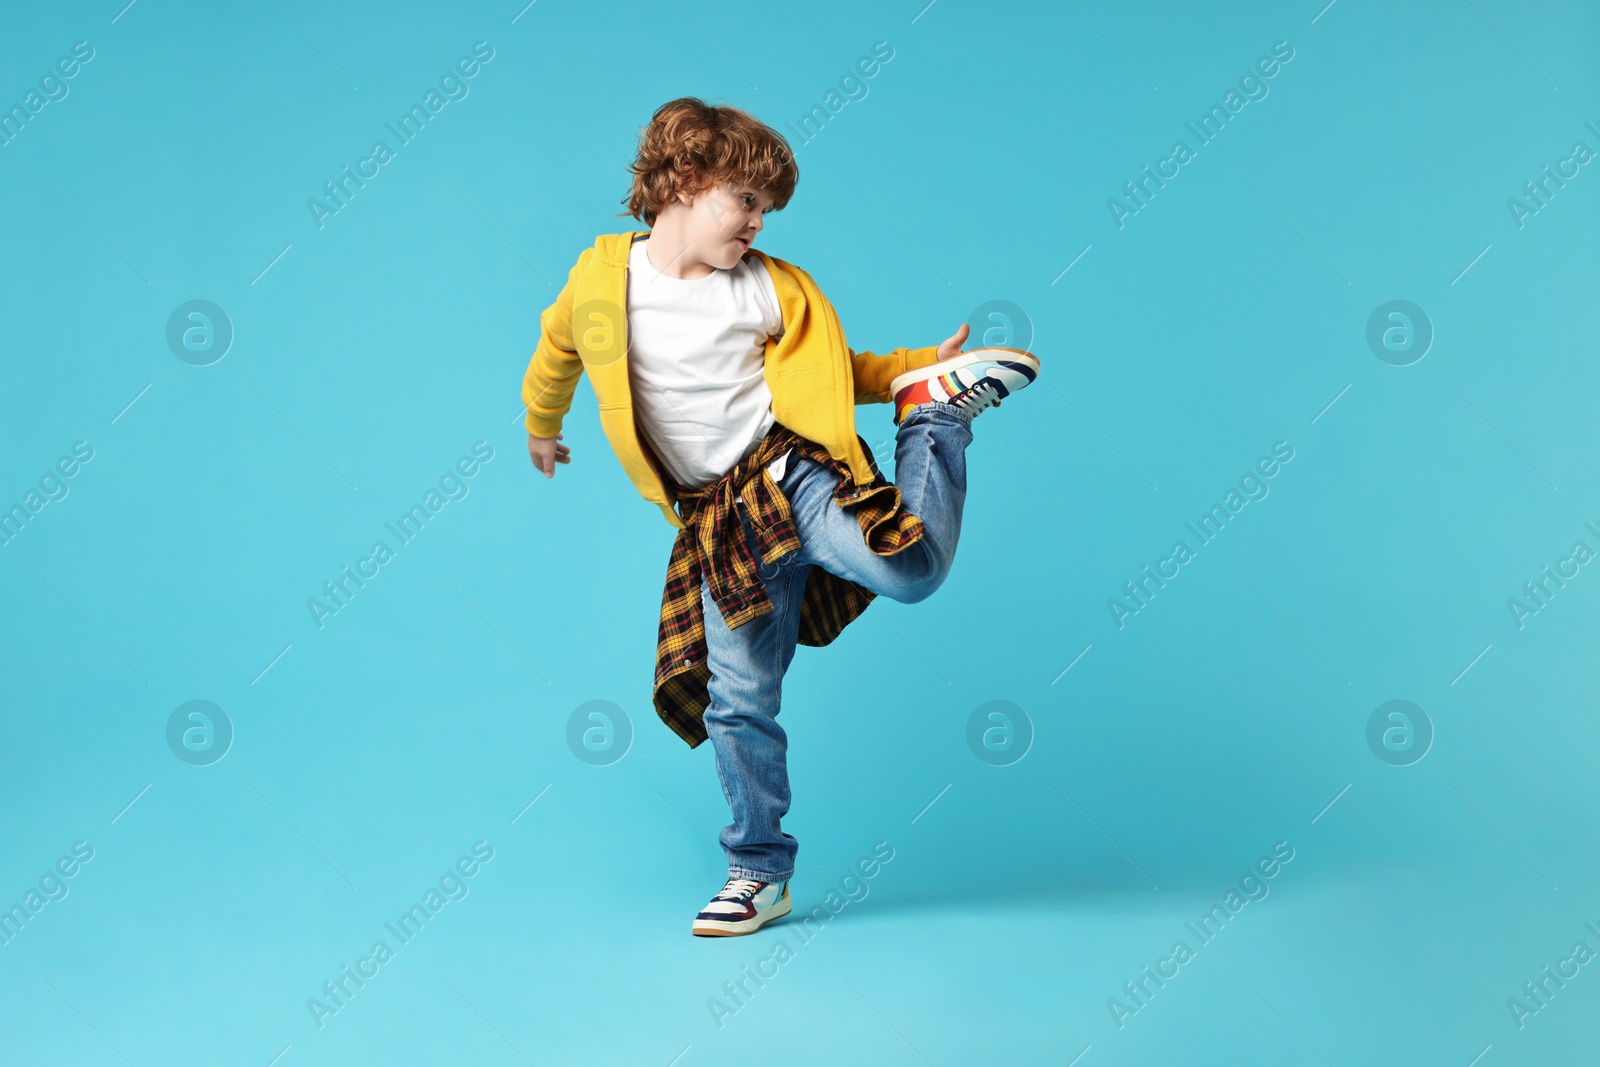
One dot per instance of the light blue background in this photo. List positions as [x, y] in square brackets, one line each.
[426, 715]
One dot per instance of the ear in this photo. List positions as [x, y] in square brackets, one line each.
[683, 190]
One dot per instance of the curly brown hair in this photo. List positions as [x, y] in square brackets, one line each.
[690, 146]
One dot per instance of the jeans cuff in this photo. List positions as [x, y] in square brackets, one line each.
[932, 407]
[760, 876]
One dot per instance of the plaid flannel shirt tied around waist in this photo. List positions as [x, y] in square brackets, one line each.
[712, 546]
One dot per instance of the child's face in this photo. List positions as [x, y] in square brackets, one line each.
[723, 221]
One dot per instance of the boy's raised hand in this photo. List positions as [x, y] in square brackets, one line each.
[546, 452]
[952, 347]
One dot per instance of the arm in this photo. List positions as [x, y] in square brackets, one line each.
[552, 374]
[550, 380]
[874, 373]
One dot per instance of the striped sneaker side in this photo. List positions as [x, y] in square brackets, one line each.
[971, 381]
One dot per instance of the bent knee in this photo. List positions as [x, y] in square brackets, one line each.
[920, 591]
[919, 584]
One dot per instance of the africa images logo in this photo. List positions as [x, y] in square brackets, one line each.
[453, 485]
[1253, 83]
[1252, 486]
[453, 87]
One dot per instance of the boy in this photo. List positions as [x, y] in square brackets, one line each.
[727, 392]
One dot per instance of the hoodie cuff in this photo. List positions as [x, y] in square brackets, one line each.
[541, 427]
[917, 358]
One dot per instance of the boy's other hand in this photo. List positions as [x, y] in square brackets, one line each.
[952, 347]
[546, 452]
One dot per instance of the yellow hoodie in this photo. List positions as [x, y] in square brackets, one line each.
[815, 379]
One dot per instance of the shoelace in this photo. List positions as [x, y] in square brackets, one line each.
[979, 397]
[738, 887]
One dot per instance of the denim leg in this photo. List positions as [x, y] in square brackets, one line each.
[931, 472]
[747, 667]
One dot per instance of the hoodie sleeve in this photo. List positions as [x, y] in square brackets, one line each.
[552, 374]
[873, 373]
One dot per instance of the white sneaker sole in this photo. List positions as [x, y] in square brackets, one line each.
[965, 359]
[719, 928]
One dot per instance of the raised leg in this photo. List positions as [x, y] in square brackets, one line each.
[931, 472]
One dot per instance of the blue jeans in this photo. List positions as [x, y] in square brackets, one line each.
[747, 664]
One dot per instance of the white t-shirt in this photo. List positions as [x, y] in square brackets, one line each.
[695, 358]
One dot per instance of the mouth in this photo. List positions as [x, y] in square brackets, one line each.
[743, 241]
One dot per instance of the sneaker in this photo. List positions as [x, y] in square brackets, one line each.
[742, 907]
[969, 382]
